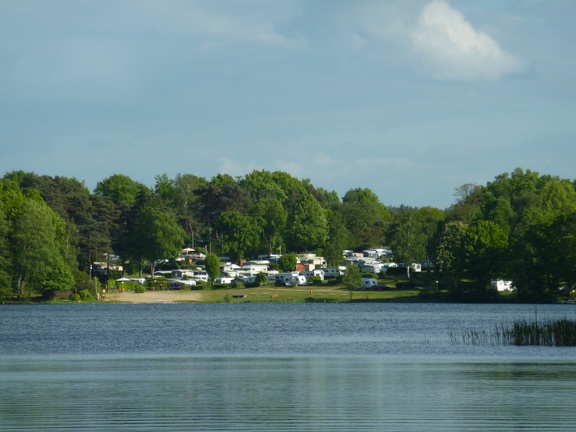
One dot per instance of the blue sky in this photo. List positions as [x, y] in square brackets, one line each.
[411, 99]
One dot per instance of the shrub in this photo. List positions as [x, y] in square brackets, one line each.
[316, 280]
[237, 284]
[261, 278]
[74, 297]
[85, 295]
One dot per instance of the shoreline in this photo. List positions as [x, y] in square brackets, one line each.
[153, 296]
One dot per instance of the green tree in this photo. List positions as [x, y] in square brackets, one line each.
[467, 207]
[99, 232]
[164, 188]
[213, 266]
[262, 184]
[38, 245]
[120, 188]
[153, 233]
[411, 233]
[307, 227]
[6, 290]
[352, 279]
[185, 204]
[365, 217]
[270, 218]
[221, 194]
[484, 247]
[339, 238]
[558, 197]
[547, 258]
[237, 234]
[449, 248]
[287, 262]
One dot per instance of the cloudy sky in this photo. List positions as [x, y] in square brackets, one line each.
[411, 99]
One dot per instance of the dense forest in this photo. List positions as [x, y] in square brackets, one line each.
[521, 226]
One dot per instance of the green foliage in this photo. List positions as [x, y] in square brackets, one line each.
[38, 250]
[287, 262]
[153, 234]
[448, 253]
[261, 278]
[518, 227]
[468, 205]
[221, 194]
[164, 188]
[85, 295]
[236, 233]
[315, 280]
[307, 227]
[352, 278]
[484, 247]
[339, 238]
[213, 266]
[270, 218]
[365, 216]
[411, 231]
[120, 189]
[6, 291]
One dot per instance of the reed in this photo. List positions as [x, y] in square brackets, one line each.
[559, 332]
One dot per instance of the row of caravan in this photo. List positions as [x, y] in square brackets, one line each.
[183, 277]
[302, 278]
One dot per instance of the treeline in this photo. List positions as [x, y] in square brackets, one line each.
[521, 226]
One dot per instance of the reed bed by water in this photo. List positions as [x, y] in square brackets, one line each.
[559, 332]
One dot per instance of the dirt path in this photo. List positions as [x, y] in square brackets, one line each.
[153, 296]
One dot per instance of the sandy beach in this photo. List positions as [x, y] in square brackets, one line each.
[153, 296]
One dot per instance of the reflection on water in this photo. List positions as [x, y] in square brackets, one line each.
[314, 393]
[335, 369]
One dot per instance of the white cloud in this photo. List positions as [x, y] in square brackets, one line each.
[323, 159]
[223, 22]
[455, 50]
[236, 168]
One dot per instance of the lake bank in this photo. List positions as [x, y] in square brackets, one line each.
[259, 295]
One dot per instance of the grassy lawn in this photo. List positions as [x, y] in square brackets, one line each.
[328, 291]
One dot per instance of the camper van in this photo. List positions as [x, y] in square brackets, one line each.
[502, 286]
[290, 279]
[311, 273]
[368, 283]
[334, 271]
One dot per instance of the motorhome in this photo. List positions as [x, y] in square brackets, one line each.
[369, 282]
[255, 267]
[502, 285]
[223, 280]
[179, 274]
[311, 273]
[290, 279]
[373, 267]
[334, 271]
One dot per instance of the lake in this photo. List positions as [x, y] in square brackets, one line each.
[278, 367]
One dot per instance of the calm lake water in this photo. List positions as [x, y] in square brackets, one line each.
[278, 367]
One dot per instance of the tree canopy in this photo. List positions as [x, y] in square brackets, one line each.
[518, 226]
